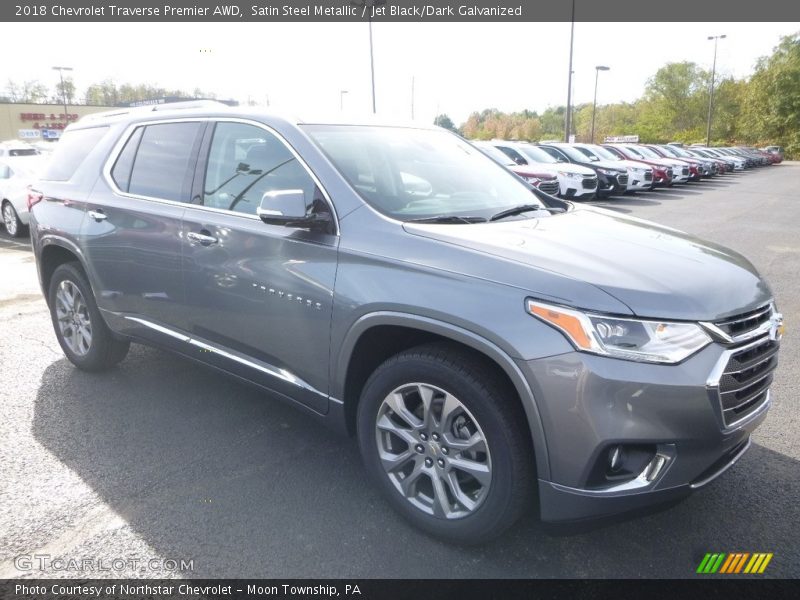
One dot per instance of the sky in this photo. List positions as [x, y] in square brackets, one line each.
[457, 68]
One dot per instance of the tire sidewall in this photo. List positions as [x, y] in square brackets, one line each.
[486, 519]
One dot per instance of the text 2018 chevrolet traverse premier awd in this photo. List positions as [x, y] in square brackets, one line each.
[486, 343]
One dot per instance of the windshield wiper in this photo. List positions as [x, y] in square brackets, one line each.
[448, 219]
[523, 208]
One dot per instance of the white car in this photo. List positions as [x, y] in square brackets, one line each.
[16, 174]
[640, 176]
[12, 149]
[574, 181]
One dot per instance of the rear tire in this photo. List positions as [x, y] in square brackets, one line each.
[446, 440]
[81, 331]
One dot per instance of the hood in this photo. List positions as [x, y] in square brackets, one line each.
[531, 170]
[655, 271]
[554, 168]
[632, 164]
[609, 164]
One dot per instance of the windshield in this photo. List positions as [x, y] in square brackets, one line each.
[633, 152]
[646, 152]
[419, 173]
[496, 154]
[600, 152]
[573, 153]
[536, 154]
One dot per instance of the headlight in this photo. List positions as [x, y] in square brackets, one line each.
[630, 339]
[569, 175]
[606, 172]
[530, 179]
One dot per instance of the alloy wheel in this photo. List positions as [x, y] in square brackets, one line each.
[433, 450]
[10, 219]
[74, 322]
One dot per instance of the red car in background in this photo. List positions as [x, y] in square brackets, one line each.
[662, 174]
[546, 182]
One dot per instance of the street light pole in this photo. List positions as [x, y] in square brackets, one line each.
[372, 64]
[341, 99]
[716, 38]
[594, 104]
[568, 116]
[63, 90]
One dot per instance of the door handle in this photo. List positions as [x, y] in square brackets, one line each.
[98, 215]
[201, 238]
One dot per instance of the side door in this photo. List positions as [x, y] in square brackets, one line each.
[132, 229]
[259, 297]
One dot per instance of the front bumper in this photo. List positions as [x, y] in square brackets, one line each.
[590, 404]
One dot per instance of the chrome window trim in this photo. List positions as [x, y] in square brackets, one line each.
[120, 144]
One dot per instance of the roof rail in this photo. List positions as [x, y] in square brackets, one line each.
[117, 112]
[188, 104]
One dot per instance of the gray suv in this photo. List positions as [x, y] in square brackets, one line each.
[491, 347]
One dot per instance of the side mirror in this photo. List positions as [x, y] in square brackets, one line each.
[288, 208]
[520, 161]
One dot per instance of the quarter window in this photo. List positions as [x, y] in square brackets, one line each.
[164, 163]
[244, 162]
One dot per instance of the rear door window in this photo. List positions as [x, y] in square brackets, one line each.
[164, 162]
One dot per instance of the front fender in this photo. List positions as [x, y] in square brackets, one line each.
[457, 334]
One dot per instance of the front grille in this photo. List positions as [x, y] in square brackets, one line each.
[549, 187]
[622, 179]
[589, 182]
[745, 381]
[685, 170]
[745, 322]
[648, 176]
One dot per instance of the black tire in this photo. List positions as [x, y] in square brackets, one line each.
[105, 350]
[496, 409]
[15, 228]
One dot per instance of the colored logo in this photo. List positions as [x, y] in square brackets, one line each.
[736, 562]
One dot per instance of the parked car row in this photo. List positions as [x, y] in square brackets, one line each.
[585, 171]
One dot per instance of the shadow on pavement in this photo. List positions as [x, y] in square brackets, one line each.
[205, 468]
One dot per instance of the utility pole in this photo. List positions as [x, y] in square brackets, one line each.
[594, 104]
[568, 115]
[63, 89]
[716, 38]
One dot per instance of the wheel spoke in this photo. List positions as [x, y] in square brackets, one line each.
[462, 498]
[386, 424]
[397, 403]
[441, 503]
[475, 443]
[392, 461]
[479, 471]
[450, 408]
[408, 484]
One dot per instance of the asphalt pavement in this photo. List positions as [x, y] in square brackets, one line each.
[163, 459]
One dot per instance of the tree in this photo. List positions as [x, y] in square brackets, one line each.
[446, 122]
[68, 90]
[28, 91]
[771, 106]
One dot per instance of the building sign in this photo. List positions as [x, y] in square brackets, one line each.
[625, 139]
[47, 121]
[29, 134]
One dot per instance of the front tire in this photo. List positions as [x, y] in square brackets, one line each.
[444, 437]
[11, 220]
[80, 329]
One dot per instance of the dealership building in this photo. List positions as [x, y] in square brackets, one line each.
[39, 122]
